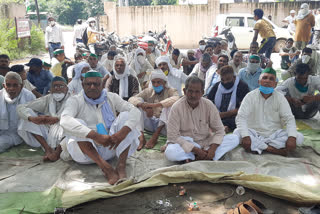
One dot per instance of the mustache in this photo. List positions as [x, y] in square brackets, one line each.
[4, 68]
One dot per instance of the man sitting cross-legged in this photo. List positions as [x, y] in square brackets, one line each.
[11, 95]
[195, 130]
[90, 118]
[44, 129]
[262, 116]
[155, 104]
[300, 92]
[227, 95]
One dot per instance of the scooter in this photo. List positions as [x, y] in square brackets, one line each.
[225, 34]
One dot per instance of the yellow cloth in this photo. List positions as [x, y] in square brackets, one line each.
[56, 68]
[264, 28]
[303, 28]
[92, 37]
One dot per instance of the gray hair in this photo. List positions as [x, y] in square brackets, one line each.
[13, 76]
[194, 80]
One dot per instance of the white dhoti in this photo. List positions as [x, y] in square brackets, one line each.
[106, 153]
[174, 152]
[152, 123]
[53, 134]
[277, 140]
[9, 139]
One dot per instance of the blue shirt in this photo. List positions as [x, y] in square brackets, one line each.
[252, 80]
[42, 81]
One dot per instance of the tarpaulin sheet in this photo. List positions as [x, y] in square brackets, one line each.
[29, 184]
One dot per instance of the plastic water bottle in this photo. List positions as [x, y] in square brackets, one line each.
[101, 129]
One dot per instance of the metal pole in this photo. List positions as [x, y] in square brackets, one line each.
[37, 9]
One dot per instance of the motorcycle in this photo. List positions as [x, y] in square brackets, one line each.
[225, 34]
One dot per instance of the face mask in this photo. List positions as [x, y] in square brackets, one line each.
[202, 47]
[305, 58]
[227, 85]
[253, 67]
[52, 23]
[266, 90]
[166, 73]
[158, 89]
[58, 96]
[92, 24]
[141, 60]
[301, 88]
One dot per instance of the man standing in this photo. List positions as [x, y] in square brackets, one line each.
[78, 32]
[237, 62]
[39, 77]
[250, 75]
[290, 21]
[90, 118]
[264, 28]
[300, 92]
[316, 36]
[304, 23]
[155, 104]
[11, 95]
[262, 116]
[53, 37]
[44, 130]
[195, 130]
[227, 95]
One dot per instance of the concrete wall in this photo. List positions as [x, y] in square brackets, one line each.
[185, 24]
[278, 11]
[12, 10]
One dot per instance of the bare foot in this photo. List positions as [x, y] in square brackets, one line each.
[282, 152]
[226, 129]
[152, 142]
[121, 170]
[187, 161]
[51, 155]
[111, 174]
[142, 140]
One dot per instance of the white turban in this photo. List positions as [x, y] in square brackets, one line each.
[292, 11]
[78, 69]
[165, 59]
[158, 74]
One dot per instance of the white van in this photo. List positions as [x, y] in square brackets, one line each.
[242, 28]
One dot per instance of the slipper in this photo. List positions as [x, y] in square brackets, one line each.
[247, 209]
[258, 206]
[234, 211]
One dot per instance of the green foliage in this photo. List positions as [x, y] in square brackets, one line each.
[164, 2]
[18, 48]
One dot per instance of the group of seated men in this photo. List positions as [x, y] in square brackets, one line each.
[96, 113]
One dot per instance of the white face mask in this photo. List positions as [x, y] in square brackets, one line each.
[202, 47]
[252, 67]
[93, 24]
[141, 60]
[58, 96]
[52, 23]
[305, 58]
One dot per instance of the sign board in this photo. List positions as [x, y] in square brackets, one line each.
[22, 27]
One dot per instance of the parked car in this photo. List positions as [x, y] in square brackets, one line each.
[242, 28]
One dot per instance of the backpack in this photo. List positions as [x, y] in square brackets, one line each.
[85, 37]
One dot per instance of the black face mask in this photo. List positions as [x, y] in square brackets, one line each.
[227, 85]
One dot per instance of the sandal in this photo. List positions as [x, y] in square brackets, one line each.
[243, 209]
[258, 206]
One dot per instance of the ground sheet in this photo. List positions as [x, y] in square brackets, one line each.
[28, 185]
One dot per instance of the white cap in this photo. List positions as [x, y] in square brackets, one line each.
[91, 19]
[292, 11]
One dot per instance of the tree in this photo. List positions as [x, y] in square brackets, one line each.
[164, 2]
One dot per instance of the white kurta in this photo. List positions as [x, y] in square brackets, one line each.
[265, 116]
[9, 120]
[176, 79]
[77, 109]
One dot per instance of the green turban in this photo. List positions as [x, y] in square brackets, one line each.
[57, 78]
[94, 55]
[46, 64]
[92, 74]
[256, 57]
[269, 71]
[58, 51]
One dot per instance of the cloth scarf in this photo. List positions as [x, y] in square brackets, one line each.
[137, 65]
[303, 12]
[221, 90]
[107, 114]
[124, 83]
[4, 99]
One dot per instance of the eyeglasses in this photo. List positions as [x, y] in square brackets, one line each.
[95, 84]
[58, 86]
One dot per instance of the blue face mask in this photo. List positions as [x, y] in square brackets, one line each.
[266, 90]
[158, 89]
